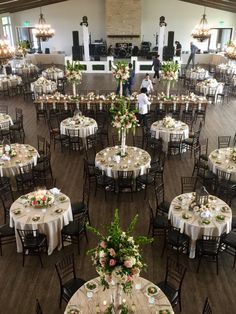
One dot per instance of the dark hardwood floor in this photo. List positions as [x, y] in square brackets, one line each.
[21, 286]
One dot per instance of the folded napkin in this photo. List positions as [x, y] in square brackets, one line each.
[116, 158]
[5, 157]
[206, 214]
[55, 191]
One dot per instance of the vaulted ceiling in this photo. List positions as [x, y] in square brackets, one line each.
[20, 5]
[226, 5]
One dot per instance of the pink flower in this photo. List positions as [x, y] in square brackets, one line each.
[112, 262]
[112, 252]
[102, 261]
[129, 278]
[103, 244]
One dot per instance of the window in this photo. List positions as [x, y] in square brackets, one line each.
[7, 29]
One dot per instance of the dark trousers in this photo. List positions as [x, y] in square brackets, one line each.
[156, 74]
[191, 57]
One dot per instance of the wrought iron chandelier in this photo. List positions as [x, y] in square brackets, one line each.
[43, 30]
[231, 50]
[6, 51]
[201, 31]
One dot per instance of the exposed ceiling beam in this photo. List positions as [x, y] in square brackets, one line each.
[22, 5]
[229, 5]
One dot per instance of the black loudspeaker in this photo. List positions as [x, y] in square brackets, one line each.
[75, 36]
[47, 51]
[168, 53]
[91, 49]
[170, 39]
[77, 53]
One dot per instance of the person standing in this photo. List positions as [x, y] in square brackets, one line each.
[143, 104]
[178, 48]
[156, 64]
[130, 82]
[193, 50]
[147, 83]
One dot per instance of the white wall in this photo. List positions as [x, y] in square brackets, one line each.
[65, 17]
[181, 17]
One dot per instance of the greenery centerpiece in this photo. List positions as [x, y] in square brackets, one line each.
[7, 150]
[40, 199]
[117, 257]
[74, 73]
[123, 119]
[22, 48]
[120, 71]
[230, 52]
[169, 73]
[233, 154]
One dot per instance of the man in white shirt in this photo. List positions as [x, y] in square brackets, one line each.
[147, 83]
[143, 104]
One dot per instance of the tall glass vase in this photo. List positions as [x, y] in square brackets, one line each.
[168, 89]
[74, 89]
[123, 140]
[121, 88]
[117, 298]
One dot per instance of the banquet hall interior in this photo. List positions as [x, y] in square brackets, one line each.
[117, 156]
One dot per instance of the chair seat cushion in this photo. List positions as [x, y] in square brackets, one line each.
[204, 157]
[78, 207]
[32, 242]
[71, 286]
[160, 222]
[145, 179]
[188, 141]
[6, 231]
[164, 206]
[24, 177]
[176, 239]
[73, 228]
[230, 239]
[169, 290]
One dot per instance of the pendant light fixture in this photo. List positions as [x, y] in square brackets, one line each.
[43, 31]
[201, 31]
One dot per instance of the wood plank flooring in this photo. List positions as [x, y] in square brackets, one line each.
[21, 286]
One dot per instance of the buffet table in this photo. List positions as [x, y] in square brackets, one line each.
[140, 301]
[46, 58]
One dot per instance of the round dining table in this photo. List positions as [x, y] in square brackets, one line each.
[221, 159]
[164, 132]
[110, 161]
[212, 219]
[24, 154]
[85, 301]
[9, 81]
[53, 73]
[5, 121]
[49, 221]
[84, 126]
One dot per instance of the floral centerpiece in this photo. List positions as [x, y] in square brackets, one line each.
[169, 73]
[8, 152]
[121, 73]
[117, 257]
[168, 122]
[21, 49]
[40, 199]
[233, 154]
[124, 119]
[74, 73]
[231, 50]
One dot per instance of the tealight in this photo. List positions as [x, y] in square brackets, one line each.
[104, 302]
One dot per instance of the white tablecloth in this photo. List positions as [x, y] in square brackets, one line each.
[84, 126]
[4, 118]
[25, 154]
[197, 74]
[220, 159]
[44, 89]
[164, 133]
[137, 160]
[50, 222]
[53, 74]
[137, 298]
[194, 226]
[10, 81]
[226, 69]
